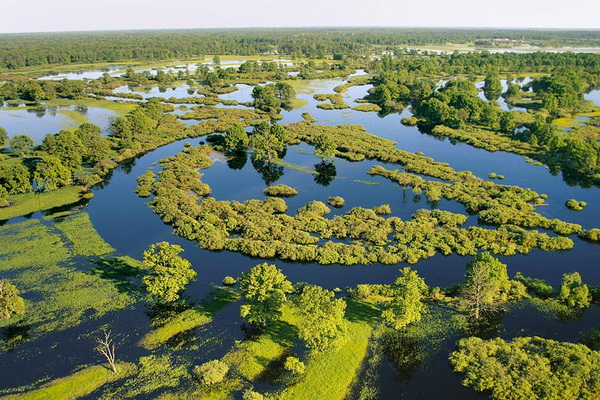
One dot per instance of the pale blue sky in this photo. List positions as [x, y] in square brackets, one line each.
[77, 15]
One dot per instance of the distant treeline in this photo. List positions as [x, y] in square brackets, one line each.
[21, 50]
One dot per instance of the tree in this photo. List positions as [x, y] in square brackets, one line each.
[10, 300]
[486, 285]
[51, 174]
[3, 137]
[21, 143]
[323, 324]
[15, 179]
[284, 91]
[573, 292]
[294, 365]
[169, 273]
[325, 147]
[407, 305]
[236, 139]
[492, 88]
[264, 288]
[96, 146]
[106, 347]
[267, 140]
[67, 147]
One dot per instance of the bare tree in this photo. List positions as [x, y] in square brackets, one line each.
[479, 293]
[106, 347]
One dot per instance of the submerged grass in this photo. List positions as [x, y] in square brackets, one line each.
[23, 204]
[34, 258]
[79, 384]
[189, 319]
[78, 229]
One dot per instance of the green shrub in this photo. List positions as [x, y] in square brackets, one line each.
[280, 190]
[575, 205]
[294, 365]
[410, 121]
[211, 372]
[383, 209]
[336, 201]
[229, 281]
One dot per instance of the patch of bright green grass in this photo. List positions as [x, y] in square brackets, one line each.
[329, 375]
[76, 116]
[189, 319]
[79, 384]
[22, 204]
[34, 258]
[78, 229]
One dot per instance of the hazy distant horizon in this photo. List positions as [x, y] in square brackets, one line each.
[41, 16]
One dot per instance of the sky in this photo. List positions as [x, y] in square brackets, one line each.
[85, 15]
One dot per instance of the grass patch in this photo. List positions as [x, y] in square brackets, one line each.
[78, 229]
[119, 107]
[329, 375]
[76, 116]
[79, 384]
[189, 319]
[23, 204]
[34, 258]
[367, 107]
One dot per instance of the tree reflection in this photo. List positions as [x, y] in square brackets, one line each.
[238, 160]
[404, 352]
[326, 172]
[269, 172]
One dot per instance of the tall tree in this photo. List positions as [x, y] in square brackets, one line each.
[325, 146]
[486, 285]
[67, 147]
[236, 139]
[492, 88]
[322, 325]
[573, 292]
[51, 174]
[169, 273]
[265, 290]
[21, 143]
[407, 305]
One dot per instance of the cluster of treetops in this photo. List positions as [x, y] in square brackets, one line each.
[262, 228]
[486, 293]
[23, 50]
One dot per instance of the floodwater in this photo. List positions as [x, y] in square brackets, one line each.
[128, 224]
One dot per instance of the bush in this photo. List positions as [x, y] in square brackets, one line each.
[211, 372]
[383, 209]
[410, 121]
[229, 281]
[294, 365]
[280, 190]
[250, 394]
[575, 205]
[337, 201]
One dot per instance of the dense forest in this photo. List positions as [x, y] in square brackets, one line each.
[21, 50]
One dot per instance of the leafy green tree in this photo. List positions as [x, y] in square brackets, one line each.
[267, 140]
[169, 273]
[21, 143]
[10, 300]
[14, 179]
[265, 290]
[323, 324]
[528, 368]
[51, 174]
[265, 98]
[507, 122]
[96, 146]
[3, 137]
[487, 285]
[492, 88]
[407, 305]
[284, 91]
[573, 292]
[236, 139]
[67, 147]
[550, 103]
[325, 146]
